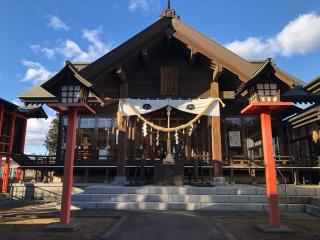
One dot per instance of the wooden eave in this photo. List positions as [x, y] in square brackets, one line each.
[36, 92]
[134, 45]
[282, 76]
[24, 111]
[213, 50]
[57, 78]
[313, 86]
[310, 115]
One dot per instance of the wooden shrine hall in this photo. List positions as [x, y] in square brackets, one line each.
[166, 104]
[13, 126]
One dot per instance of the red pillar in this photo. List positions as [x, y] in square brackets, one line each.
[270, 172]
[68, 166]
[23, 142]
[23, 135]
[5, 176]
[1, 118]
[1, 127]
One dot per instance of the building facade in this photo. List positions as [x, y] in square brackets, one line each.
[169, 61]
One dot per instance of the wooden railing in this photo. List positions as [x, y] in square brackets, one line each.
[133, 160]
[280, 160]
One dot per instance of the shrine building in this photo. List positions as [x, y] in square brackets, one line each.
[165, 107]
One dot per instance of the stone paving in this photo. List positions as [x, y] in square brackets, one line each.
[177, 225]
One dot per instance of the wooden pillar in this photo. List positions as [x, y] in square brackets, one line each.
[121, 164]
[203, 137]
[122, 144]
[188, 147]
[6, 169]
[270, 171]
[68, 166]
[151, 147]
[216, 136]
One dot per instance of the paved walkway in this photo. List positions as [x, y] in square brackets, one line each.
[166, 226]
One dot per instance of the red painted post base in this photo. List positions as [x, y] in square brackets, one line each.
[5, 176]
[270, 171]
[68, 166]
[264, 109]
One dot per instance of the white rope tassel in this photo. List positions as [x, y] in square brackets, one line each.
[144, 129]
[176, 135]
[157, 139]
[190, 130]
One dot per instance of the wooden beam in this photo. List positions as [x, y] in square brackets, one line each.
[145, 56]
[217, 70]
[121, 74]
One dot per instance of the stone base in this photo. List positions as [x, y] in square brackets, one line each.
[119, 181]
[219, 181]
[62, 227]
[269, 229]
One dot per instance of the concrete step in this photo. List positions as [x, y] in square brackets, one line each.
[312, 210]
[85, 197]
[261, 207]
[315, 201]
[190, 190]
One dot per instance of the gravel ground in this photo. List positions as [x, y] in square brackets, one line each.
[244, 228]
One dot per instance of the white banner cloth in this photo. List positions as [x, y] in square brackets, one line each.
[143, 106]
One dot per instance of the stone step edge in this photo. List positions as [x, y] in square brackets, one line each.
[181, 194]
[191, 192]
[312, 210]
[187, 206]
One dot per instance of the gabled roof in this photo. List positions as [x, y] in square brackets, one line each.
[68, 67]
[27, 111]
[36, 92]
[91, 75]
[184, 33]
[283, 76]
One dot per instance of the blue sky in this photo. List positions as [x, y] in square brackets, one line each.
[38, 36]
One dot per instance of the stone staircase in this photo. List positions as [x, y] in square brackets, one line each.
[224, 198]
[313, 207]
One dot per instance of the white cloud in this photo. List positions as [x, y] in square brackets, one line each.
[71, 50]
[36, 72]
[253, 48]
[56, 23]
[48, 53]
[300, 36]
[140, 4]
[36, 133]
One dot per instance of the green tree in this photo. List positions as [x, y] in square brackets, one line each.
[52, 136]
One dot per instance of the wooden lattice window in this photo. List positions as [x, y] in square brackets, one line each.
[267, 92]
[70, 94]
[169, 81]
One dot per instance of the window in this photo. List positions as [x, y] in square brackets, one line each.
[169, 81]
[70, 94]
[267, 92]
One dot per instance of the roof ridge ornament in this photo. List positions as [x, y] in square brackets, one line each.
[168, 12]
